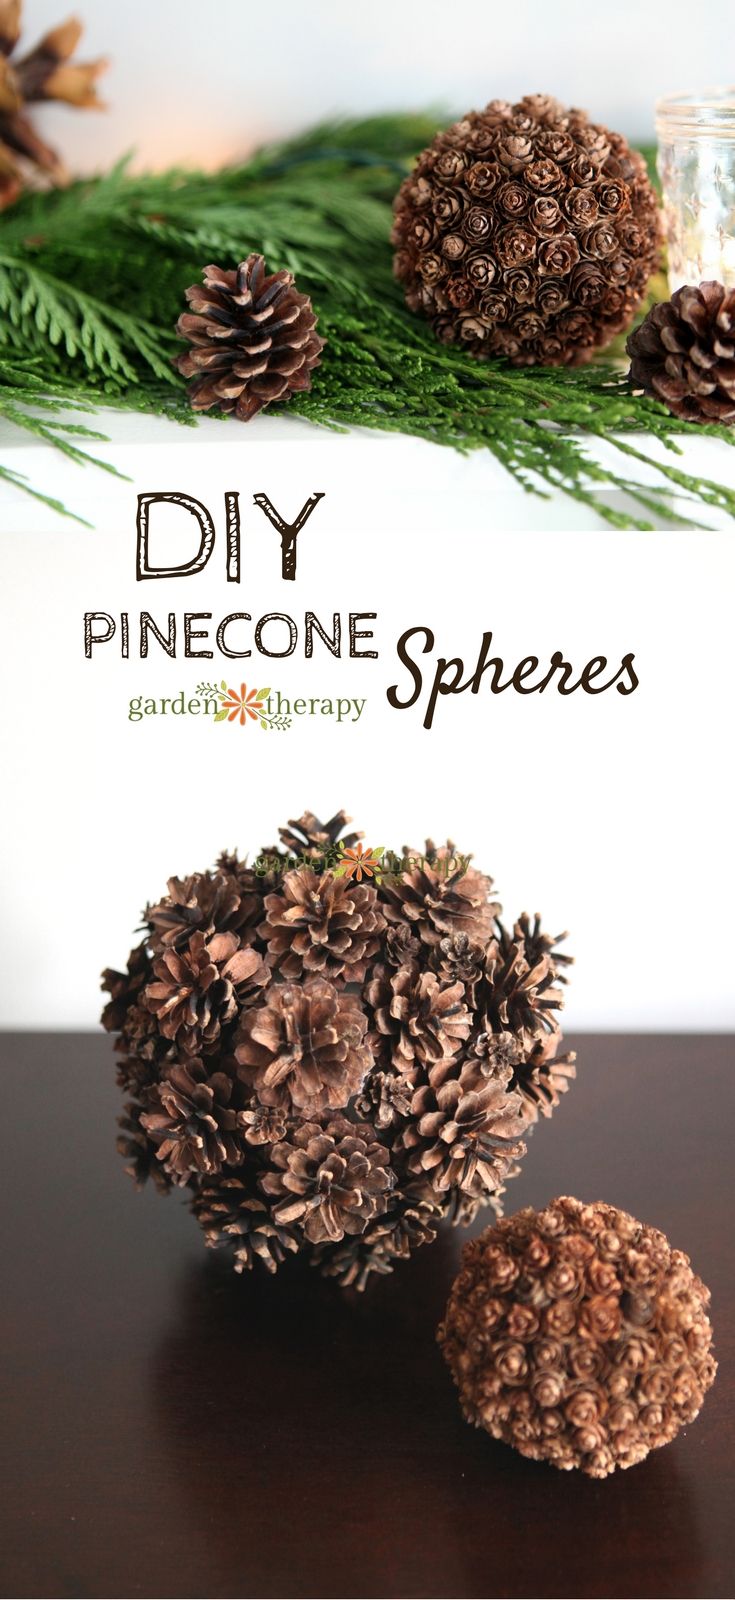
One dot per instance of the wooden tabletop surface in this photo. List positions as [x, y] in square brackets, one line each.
[171, 1429]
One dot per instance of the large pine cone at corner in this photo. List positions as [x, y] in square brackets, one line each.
[683, 353]
[253, 339]
[527, 231]
[579, 1336]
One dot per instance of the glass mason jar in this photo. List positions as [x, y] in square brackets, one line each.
[696, 163]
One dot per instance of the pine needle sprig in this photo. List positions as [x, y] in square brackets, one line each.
[92, 281]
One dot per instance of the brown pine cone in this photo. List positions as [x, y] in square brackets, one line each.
[141, 1045]
[317, 923]
[235, 1219]
[305, 1048]
[400, 945]
[385, 1098]
[528, 232]
[207, 902]
[253, 339]
[463, 1129]
[419, 1018]
[437, 899]
[542, 1076]
[683, 353]
[579, 1336]
[309, 837]
[411, 1220]
[263, 1124]
[139, 1152]
[124, 988]
[328, 1180]
[196, 989]
[457, 959]
[46, 73]
[192, 1121]
[515, 995]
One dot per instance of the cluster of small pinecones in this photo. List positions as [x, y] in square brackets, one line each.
[527, 231]
[329, 1064]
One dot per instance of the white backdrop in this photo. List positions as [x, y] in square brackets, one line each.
[197, 83]
[610, 815]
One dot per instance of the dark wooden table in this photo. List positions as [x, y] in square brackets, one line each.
[170, 1429]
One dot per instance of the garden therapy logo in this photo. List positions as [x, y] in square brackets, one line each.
[249, 705]
[269, 709]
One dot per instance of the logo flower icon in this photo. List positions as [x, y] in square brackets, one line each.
[358, 863]
[248, 703]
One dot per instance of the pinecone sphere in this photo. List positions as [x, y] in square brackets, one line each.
[683, 353]
[253, 339]
[331, 1066]
[579, 1336]
[527, 231]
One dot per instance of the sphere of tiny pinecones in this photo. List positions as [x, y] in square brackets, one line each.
[683, 353]
[252, 339]
[331, 1066]
[579, 1336]
[527, 231]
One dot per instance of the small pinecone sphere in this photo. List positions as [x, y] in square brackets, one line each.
[253, 339]
[579, 1336]
[328, 1066]
[527, 231]
[683, 353]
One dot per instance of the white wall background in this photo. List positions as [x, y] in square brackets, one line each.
[191, 82]
[610, 815]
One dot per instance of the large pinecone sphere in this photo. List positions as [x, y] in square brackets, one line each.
[683, 353]
[527, 231]
[253, 339]
[579, 1336]
[333, 1066]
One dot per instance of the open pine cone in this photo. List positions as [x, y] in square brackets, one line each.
[579, 1336]
[46, 73]
[527, 231]
[333, 1066]
[683, 353]
[253, 339]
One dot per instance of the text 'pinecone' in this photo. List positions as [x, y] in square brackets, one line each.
[46, 73]
[579, 1336]
[683, 353]
[331, 1064]
[253, 339]
[527, 231]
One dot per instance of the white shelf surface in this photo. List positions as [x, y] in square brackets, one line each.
[137, 446]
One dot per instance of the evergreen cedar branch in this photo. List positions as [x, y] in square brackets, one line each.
[92, 281]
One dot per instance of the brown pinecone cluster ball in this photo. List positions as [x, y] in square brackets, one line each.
[527, 231]
[252, 339]
[45, 73]
[579, 1336]
[334, 1065]
[683, 353]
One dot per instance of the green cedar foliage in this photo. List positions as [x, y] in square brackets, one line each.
[92, 280]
